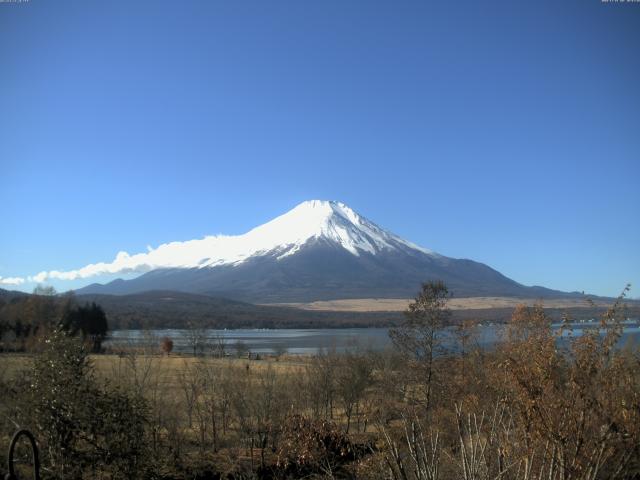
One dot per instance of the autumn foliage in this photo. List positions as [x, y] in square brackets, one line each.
[552, 402]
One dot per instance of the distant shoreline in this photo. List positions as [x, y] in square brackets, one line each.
[469, 303]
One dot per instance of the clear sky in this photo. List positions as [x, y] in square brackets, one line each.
[505, 132]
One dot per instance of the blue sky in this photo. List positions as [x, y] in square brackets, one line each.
[506, 132]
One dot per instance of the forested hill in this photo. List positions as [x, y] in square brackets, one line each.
[168, 309]
[7, 295]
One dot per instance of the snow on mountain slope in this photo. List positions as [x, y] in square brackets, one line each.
[309, 220]
[284, 235]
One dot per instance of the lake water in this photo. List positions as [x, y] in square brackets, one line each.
[311, 341]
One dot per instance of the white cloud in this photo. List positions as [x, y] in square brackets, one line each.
[210, 250]
[11, 280]
[123, 263]
[169, 255]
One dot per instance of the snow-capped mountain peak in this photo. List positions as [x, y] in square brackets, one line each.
[319, 250]
[328, 220]
[313, 220]
[283, 236]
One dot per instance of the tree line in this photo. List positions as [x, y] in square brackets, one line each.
[25, 320]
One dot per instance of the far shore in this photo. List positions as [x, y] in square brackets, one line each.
[471, 303]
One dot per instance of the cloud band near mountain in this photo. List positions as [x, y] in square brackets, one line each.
[123, 263]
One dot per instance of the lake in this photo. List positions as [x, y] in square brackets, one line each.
[311, 341]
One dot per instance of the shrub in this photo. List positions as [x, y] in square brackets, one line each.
[166, 345]
[309, 447]
[81, 426]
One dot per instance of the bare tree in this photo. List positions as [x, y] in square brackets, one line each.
[321, 383]
[353, 377]
[196, 338]
[279, 350]
[241, 349]
[466, 333]
[189, 382]
[418, 338]
[218, 345]
[411, 455]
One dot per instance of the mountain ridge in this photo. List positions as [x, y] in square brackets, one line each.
[319, 250]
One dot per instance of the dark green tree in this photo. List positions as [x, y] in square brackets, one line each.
[88, 320]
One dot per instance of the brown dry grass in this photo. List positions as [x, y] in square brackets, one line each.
[107, 365]
[400, 304]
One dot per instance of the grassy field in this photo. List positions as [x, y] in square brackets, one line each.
[252, 399]
[173, 388]
[111, 366]
[401, 304]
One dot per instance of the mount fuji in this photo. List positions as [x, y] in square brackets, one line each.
[319, 250]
